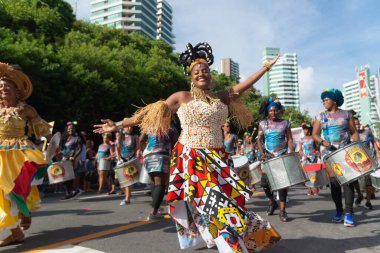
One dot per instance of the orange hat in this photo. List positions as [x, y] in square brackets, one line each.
[22, 81]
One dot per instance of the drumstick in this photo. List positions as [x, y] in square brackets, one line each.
[254, 130]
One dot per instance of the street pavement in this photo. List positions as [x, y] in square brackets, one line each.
[96, 223]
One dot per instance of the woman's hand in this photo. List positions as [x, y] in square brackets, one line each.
[108, 127]
[326, 143]
[273, 61]
[139, 154]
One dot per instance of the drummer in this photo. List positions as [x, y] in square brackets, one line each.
[105, 151]
[367, 138]
[307, 149]
[126, 147]
[278, 141]
[157, 162]
[229, 139]
[338, 129]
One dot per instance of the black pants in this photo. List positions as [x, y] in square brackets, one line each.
[336, 194]
[265, 184]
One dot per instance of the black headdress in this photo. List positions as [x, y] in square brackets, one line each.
[192, 54]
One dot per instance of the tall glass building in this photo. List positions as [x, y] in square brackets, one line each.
[282, 79]
[363, 96]
[152, 18]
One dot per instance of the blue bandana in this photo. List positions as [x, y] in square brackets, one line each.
[277, 104]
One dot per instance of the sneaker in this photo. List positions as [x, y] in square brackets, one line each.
[271, 208]
[368, 205]
[283, 216]
[154, 216]
[337, 218]
[124, 202]
[359, 200]
[77, 193]
[163, 210]
[309, 192]
[348, 220]
[67, 197]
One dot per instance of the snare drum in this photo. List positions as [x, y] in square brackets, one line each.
[128, 173]
[317, 175]
[144, 176]
[375, 179]
[284, 171]
[241, 167]
[60, 172]
[351, 163]
[254, 172]
[104, 164]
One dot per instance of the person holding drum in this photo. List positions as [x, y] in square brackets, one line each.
[206, 197]
[156, 157]
[126, 149]
[20, 160]
[103, 157]
[338, 128]
[367, 138]
[248, 147]
[278, 141]
[230, 139]
[308, 151]
[71, 148]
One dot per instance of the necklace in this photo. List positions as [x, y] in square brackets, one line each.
[9, 112]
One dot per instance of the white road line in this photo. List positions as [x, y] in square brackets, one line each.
[72, 249]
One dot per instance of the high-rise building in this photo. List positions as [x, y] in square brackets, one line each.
[363, 96]
[164, 22]
[152, 18]
[230, 68]
[282, 79]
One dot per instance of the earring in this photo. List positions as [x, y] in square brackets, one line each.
[192, 85]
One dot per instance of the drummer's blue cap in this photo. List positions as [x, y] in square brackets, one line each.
[333, 94]
[272, 103]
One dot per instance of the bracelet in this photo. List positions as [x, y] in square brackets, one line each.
[119, 124]
[267, 65]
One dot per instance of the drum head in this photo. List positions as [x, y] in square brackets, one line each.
[239, 161]
[52, 147]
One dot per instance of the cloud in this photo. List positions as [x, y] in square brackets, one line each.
[309, 90]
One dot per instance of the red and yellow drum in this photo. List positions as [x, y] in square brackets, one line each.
[351, 162]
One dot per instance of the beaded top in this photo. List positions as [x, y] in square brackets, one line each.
[201, 123]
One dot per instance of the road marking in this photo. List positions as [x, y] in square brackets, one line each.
[91, 236]
[72, 249]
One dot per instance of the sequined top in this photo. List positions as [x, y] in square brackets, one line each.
[201, 123]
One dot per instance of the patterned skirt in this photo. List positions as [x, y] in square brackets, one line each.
[207, 201]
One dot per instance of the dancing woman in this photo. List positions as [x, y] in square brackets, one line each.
[20, 160]
[278, 140]
[338, 129]
[207, 199]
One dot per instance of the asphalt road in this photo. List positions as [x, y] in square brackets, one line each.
[96, 223]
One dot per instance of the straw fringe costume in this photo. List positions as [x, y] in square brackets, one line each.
[206, 196]
[20, 160]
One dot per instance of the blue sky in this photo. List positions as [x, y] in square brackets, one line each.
[331, 38]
